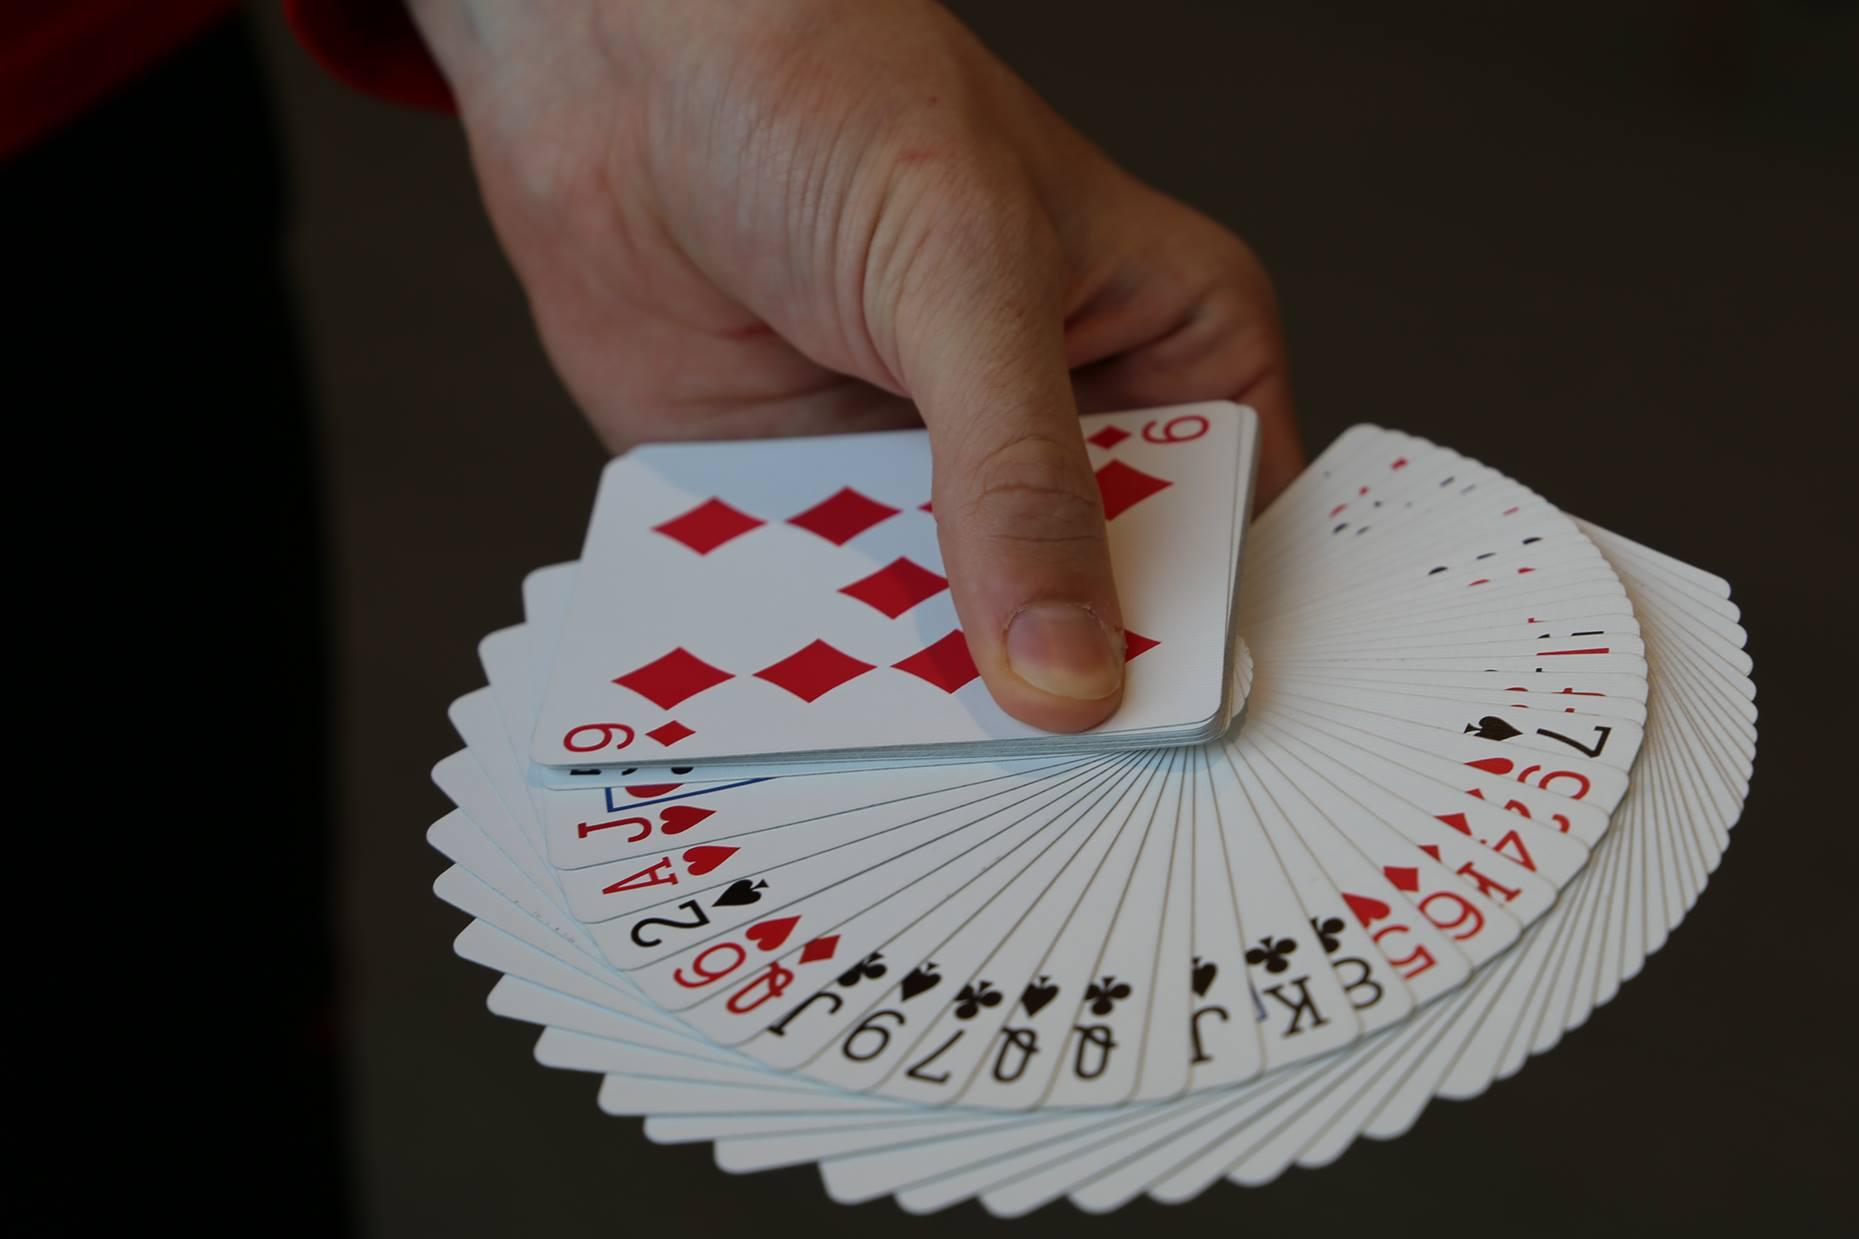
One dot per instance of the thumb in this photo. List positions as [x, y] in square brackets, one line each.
[981, 347]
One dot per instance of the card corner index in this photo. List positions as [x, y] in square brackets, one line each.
[552, 743]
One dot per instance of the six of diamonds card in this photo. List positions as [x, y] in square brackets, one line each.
[1382, 816]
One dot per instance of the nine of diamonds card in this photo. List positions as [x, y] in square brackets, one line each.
[784, 601]
[1480, 760]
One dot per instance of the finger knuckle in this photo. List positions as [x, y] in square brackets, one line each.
[1027, 489]
[962, 207]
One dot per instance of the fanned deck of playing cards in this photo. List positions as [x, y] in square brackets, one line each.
[1447, 773]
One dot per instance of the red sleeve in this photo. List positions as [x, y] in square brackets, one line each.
[373, 46]
[59, 58]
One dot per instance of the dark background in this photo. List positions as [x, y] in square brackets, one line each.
[1611, 249]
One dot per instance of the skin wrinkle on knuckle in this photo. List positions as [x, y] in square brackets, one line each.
[1024, 490]
[943, 247]
[885, 258]
[969, 228]
[752, 130]
[878, 242]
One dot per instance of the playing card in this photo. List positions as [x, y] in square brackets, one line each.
[783, 599]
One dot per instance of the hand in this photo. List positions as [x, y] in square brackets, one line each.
[804, 216]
